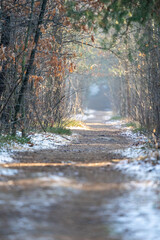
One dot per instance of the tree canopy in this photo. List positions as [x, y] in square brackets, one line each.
[38, 56]
[113, 13]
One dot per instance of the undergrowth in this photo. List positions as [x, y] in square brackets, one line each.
[59, 130]
[136, 127]
[116, 118]
[63, 127]
[72, 123]
[141, 130]
[9, 139]
[132, 124]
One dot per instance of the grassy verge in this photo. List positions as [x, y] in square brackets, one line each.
[63, 127]
[59, 130]
[72, 123]
[136, 127]
[116, 118]
[9, 139]
[132, 125]
[141, 130]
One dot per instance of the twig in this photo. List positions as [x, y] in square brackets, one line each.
[38, 117]
[9, 96]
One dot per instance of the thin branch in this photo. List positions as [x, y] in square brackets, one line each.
[97, 47]
[10, 95]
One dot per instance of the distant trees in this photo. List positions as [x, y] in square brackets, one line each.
[139, 72]
[132, 29]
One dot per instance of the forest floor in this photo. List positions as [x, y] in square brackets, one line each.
[76, 192]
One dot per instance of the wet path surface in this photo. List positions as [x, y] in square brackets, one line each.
[75, 192]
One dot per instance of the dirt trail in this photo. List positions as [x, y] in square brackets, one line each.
[61, 196]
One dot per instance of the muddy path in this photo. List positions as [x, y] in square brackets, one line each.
[67, 193]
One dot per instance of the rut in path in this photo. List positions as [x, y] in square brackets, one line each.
[59, 194]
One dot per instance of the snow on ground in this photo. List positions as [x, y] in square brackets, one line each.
[48, 141]
[143, 170]
[88, 114]
[141, 160]
[38, 141]
[116, 123]
[108, 116]
[136, 214]
[5, 156]
[139, 148]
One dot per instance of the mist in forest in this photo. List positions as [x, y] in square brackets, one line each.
[98, 98]
[95, 84]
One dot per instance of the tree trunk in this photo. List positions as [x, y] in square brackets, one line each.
[29, 68]
[5, 41]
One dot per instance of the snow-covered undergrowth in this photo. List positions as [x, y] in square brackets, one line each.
[143, 170]
[141, 160]
[38, 141]
[135, 215]
[140, 147]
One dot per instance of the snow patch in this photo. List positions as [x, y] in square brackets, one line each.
[133, 152]
[38, 141]
[134, 136]
[135, 215]
[142, 161]
[8, 172]
[48, 141]
[88, 114]
[115, 123]
[144, 170]
[108, 116]
[5, 156]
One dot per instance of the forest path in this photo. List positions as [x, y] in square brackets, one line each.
[62, 194]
